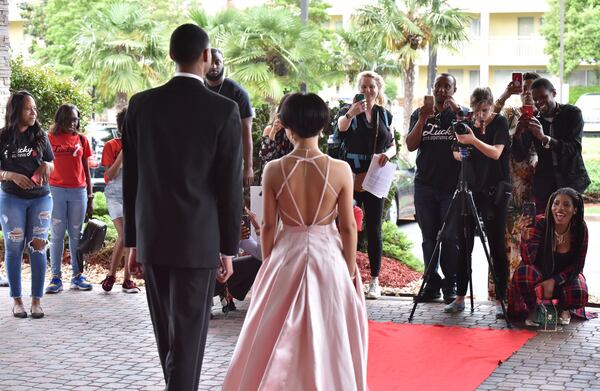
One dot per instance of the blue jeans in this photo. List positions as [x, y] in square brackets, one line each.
[431, 205]
[22, 221]
[68, 215]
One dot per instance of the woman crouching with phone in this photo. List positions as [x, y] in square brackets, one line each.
[483, 147]
[366, 126]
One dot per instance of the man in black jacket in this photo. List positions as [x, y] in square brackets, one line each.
[556, 134]
[182, 190]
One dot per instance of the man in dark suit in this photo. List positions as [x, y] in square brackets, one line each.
[182, 190]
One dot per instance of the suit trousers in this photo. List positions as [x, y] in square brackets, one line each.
[180, 302]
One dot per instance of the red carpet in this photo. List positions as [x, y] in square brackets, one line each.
[421, 357]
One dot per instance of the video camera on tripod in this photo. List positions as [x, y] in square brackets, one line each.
[460, 126]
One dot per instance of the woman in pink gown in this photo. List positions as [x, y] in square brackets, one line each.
[306, 327]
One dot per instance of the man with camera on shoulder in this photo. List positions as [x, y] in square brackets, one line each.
[436, 178]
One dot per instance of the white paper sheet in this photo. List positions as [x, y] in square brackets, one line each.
[379, 179]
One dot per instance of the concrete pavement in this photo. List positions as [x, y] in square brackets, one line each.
[96, 341]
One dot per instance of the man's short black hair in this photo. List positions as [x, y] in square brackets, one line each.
[542, 83]
[305, 114]
[448, 75]
[215, 51]
[531, 76]
[188, 41]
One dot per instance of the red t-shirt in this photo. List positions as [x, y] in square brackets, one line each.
[109, 154]
[68, 159]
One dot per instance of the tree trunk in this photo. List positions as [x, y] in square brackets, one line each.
[4, 59]
[431, 68]
[121, 100]
[409, 93]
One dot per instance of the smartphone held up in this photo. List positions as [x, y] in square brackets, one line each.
[517, 80]
[428, 102]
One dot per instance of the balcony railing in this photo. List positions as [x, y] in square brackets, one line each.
[496, 50]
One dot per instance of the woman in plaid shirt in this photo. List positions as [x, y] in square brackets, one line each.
[553, 256]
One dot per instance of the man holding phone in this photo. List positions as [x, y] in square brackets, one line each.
[436, 178]
[556, 135]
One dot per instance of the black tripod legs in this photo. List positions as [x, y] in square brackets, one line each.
[482, 236]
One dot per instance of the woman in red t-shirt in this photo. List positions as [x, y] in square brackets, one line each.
[71, 189]
[112, 160]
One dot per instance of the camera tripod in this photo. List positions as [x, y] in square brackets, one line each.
[463, 199]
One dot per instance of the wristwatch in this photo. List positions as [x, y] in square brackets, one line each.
[546, 142]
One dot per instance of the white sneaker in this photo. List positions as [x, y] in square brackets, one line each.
[374, 289]
[3, 281]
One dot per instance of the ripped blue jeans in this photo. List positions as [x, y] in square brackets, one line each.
[68, 214]
[22, 221]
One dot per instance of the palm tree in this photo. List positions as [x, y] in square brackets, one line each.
[447, 30]
[406, 30]
[359, 53]
[121, 51]
[269, 51]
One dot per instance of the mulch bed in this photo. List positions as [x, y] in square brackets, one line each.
[394, 274]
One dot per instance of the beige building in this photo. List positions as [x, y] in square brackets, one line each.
[504, 37]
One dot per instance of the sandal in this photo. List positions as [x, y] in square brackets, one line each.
[564, 318]
[20, 313]
[38, 313]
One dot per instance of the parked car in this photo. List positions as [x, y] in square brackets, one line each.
[98, 134]
[403, 204]
[590, 109]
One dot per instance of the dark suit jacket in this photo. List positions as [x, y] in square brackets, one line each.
[568, 132]
[182, 175]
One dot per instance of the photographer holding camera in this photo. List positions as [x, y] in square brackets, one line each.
[435, 181]
[481, 143]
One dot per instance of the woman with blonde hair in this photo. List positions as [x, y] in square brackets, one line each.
[366, 130]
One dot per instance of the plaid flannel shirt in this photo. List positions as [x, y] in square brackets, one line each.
[529, 251]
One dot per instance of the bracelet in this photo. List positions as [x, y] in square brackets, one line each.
[347, 115]
[90, 196]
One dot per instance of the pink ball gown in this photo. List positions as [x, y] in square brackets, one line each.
[306, 327]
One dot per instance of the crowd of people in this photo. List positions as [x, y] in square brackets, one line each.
[199, 126]
[512, 157]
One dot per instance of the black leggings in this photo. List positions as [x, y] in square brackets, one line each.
[373, 207]
[494, 220]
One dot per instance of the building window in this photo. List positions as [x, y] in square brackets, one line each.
[458, 75]
[475, 28]
[577, 78]
[525, 26]
[474, 79]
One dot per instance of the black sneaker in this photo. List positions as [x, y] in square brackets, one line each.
[427, 296]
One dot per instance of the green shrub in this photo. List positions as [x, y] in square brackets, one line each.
[576, 91]
[101, 213]
[397, 246]
[100, 207]
[593, 168]
[49, 90]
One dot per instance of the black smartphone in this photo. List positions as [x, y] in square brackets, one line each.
[529, 211]
[246, 224]
[359, 97]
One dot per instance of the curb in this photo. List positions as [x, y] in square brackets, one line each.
[594, 217]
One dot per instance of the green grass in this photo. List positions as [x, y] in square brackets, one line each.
[593, 210]
[576, 91]
[591, 148]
